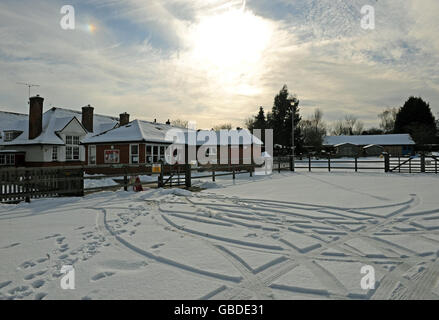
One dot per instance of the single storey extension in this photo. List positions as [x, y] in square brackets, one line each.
[370, 145]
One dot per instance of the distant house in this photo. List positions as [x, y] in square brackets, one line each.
[368, 145]
[347, 149]
[373, 150]
[52, 138]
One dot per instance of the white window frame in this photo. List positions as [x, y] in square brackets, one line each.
[72, 147]
[7, 159]
[9, 136]
[155, 155]
[132, 155]
[92, 155]
[55, 153]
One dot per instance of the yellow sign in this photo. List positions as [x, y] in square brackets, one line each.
[156, 168]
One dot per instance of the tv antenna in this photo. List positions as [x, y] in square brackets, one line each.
[29, 85]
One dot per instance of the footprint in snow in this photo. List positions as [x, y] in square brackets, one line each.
[5, 284]
[102, 275]
[12, 245]
[27, 264]
[40, 296]
[38, 284]
[60, 240]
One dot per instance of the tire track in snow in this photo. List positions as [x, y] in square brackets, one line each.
[164, 260]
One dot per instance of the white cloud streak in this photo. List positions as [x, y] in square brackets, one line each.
[320, 52]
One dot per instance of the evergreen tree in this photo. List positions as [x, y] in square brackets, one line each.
[260, 121]
[415, 118]
[280, 120]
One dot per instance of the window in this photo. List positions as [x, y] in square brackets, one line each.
[148, 158]
[155, 156]
[11, 135]
[134, 153]
[211, 151]
[155, 153]
[7, 159]
[55, 153]
[92, 155]
[72, 148]
[162, 153]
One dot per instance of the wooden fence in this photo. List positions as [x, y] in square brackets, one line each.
[23, 184]
[414, 164]
[310, 163]
[18, 184]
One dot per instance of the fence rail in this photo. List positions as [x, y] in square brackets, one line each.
[23, 184]
[310, 163]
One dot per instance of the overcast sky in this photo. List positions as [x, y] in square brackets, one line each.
[216, 61]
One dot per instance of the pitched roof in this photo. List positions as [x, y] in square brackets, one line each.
[9, 120]
[54, 120]
[381, 140]
[137, 130]
[146, 131]
[225, 137]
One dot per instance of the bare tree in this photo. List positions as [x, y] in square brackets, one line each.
[313, 129]
[387, 119]
[349, 126]
[224, 126]
[180, 123]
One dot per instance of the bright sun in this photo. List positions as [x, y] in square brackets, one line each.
[231, 43]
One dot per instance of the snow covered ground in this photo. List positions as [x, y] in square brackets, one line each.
[287, 236]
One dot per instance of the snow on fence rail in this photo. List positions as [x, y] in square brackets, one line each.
[23, 184]
[311, 163]
[413, 164]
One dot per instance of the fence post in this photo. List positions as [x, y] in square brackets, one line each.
[251, 172]
[356, 164]
[26, 186]
[213, 175]
[125, 180]
[188, 176]
[292, 164]
[399, 163]
[160, 178]
[234, 174]
[278, 165]
[435, 165]
[81, 182]
[329, 163]
[423, 162]
[309, 162]
[386, 162]
[410, 165]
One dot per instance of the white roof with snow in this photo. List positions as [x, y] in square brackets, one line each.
[144, 131]
[54, 120]
[381, 140]
[223, 138]
[136, 130]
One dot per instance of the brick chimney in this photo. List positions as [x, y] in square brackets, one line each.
[124, 119]
[35, 116]
[87, 118]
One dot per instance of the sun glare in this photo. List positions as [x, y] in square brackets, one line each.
[231, 43]
[91, 28]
